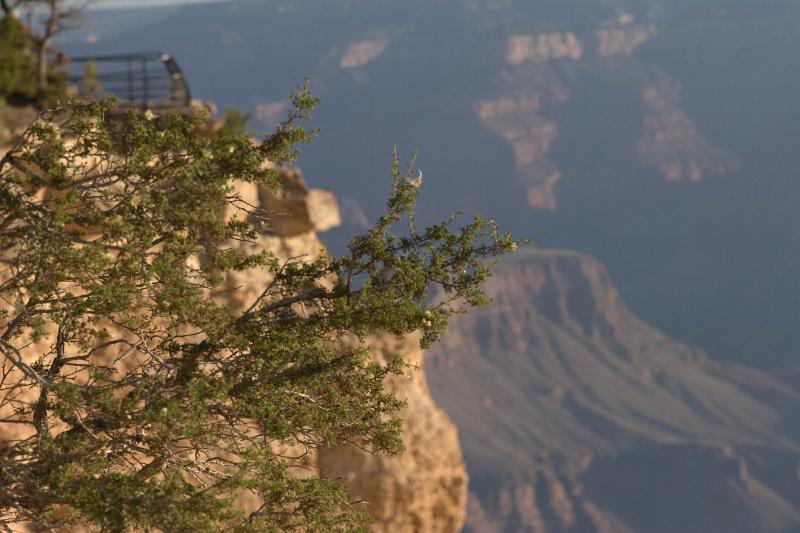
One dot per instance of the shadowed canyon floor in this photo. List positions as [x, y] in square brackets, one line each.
[575, 415]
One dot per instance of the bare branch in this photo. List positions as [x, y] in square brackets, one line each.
[12, 354]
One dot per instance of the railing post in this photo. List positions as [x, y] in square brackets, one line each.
[130, 79]
[146, 81]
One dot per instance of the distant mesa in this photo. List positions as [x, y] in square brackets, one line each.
[530, 86]
[624, 18]
[623, 40]
[670, 142]
[359, 54]
[531, 137]
[491, 109]
[580, 417]
[543, 47]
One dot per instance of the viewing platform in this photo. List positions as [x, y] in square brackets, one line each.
[147, 80]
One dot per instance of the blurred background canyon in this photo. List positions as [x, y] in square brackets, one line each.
[639, 369]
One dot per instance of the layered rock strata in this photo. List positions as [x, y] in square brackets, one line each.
[422, 490]
[577, 416]
[425, 488]
[669, 140]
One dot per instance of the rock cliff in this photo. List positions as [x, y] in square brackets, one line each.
[577, 416]
[539, 76]
[670, 142]
[422, 490]
[542, 47]
[517, 121]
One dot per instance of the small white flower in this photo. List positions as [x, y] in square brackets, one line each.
[417, 182]
[163, 411]
[47, 126]
[149, 115]
[513, 246]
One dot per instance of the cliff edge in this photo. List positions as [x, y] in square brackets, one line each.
[423, 490]
[577, 416]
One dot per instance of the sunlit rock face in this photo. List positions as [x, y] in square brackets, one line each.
[421, 490]
[425, 488]
[294, 214]
[545, 72]
[576, 416]
[531, 137]
[359, 54]
[623, 40]
[670, 142]
[543, 47]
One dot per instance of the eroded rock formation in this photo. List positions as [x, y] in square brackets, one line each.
[622, 40]
[543, 47]
[422, 490]
[670, 141]
[531, 137]
[425, 488]
[359, 54]
[577, 416]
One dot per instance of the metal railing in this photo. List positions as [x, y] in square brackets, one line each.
[146, 80]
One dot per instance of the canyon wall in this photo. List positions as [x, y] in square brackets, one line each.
[610, 160]
[577, 416]
[543, 69]
[422, 490]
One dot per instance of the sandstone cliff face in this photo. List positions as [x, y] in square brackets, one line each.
[425, 488]
[577, 416]
[422, 490]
